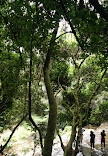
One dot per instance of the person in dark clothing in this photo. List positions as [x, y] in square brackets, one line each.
[103, 138]
[92, 139]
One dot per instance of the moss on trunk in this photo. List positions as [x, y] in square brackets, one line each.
[47, 150]
[48, 143]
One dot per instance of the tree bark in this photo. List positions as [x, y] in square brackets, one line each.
[68, 148]
[47, 150]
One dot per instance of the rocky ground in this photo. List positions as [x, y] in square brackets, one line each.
[86, 141]
[26, 146]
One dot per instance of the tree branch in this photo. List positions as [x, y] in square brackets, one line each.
[76, 65]
[63, 34]
[4, 146]
[62, 145]
[73, 29]
[29, 102]
[37, 128]
[95, 91]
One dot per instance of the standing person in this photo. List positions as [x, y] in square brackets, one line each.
[103, 138]
[81, 135]
[92, 139]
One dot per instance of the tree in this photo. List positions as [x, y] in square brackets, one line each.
[9, 77]
[87, 27]
[32, 26]
[77, 99]
[27, 26]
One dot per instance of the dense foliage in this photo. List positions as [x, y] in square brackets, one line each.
[41, 67]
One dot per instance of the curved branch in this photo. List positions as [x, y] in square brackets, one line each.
[69, 21]
[62, 145]
[63, 34]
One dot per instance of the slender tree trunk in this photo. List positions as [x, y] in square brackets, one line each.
[47, 150]
[68, 149]
[52, 116]
[29, 102]
[78, 137]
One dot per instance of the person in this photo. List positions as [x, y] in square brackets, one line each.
[103, 138]
[81, 135]
[92, 139]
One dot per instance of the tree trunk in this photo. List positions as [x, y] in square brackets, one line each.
[78, 136]
[68, 149]
[47, 150]
[52, 116]
[29, 102]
